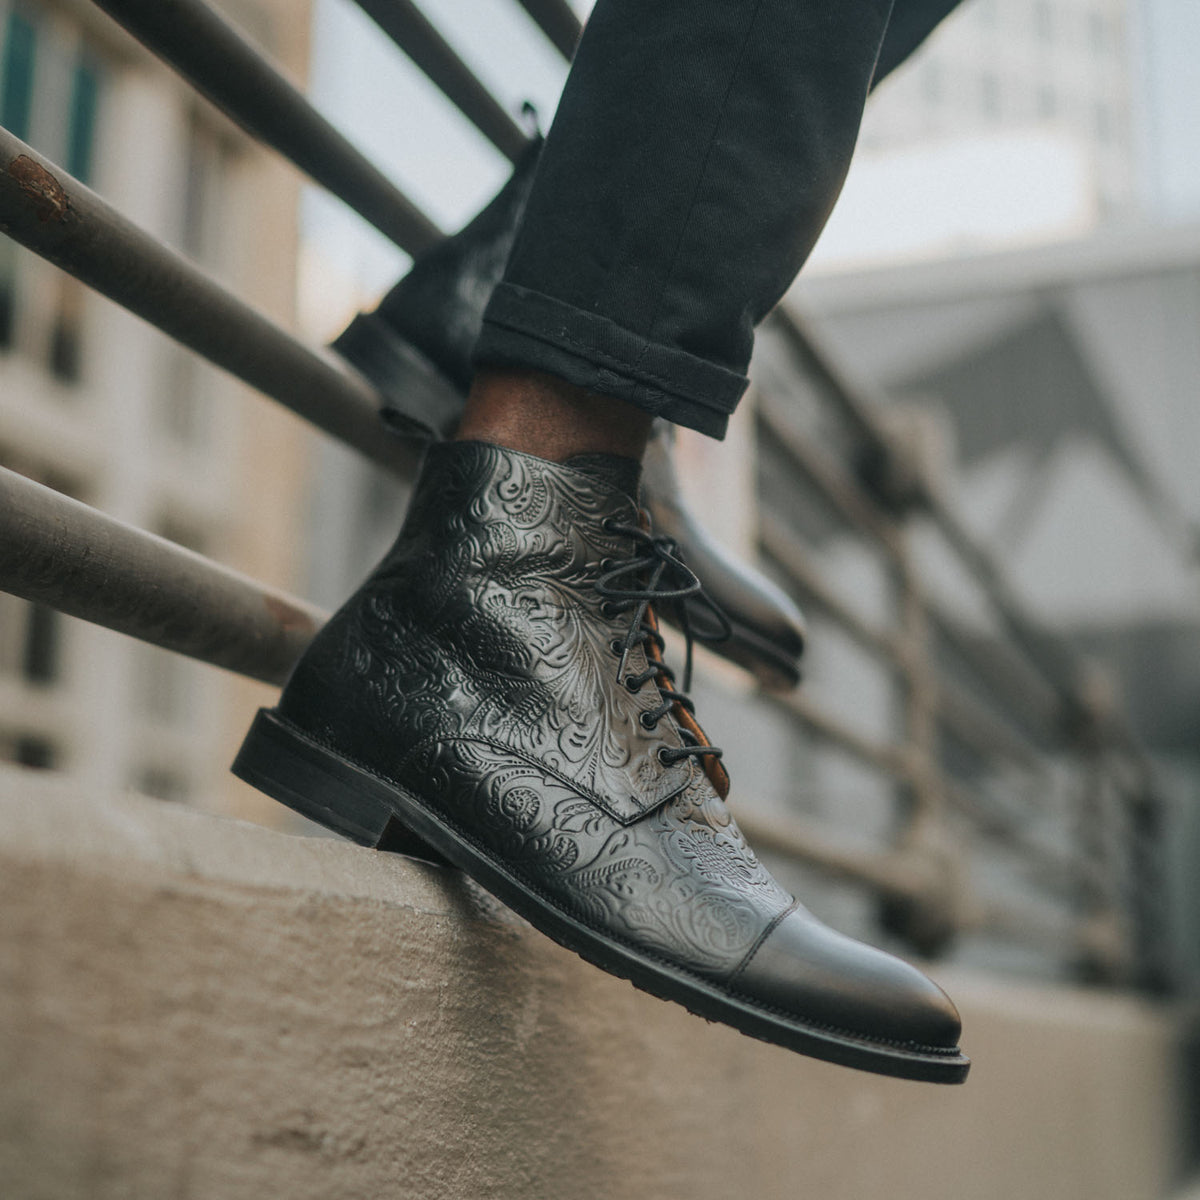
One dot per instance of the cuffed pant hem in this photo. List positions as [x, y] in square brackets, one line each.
[524, 328]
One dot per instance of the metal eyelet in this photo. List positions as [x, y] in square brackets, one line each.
[616, 647]
[647, 721]
[631, 685]
[606, 565]
[609, 609]
[666, 757]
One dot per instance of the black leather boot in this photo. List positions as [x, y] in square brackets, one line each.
[497, 687]
[438, 309]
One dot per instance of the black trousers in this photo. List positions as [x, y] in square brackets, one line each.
[697, 152]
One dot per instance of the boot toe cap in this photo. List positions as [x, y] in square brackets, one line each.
[817, 975]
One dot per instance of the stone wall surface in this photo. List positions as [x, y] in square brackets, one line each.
[195, 1007]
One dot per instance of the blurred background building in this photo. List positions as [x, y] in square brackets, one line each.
[1033, 294]
[96, 404]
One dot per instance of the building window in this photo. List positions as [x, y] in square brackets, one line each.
[64, 355]
[16, 75]
[203, 184]
[65, 350]
[36, 752]
[33, 636]
[29, 750]
[30, 641]
[18, 52]
[185, 412]
[50, 86]
[1043, 20]
[989, 95]
[81, 121]
[12, 634]
[931, 82]
[161, 784]
[43, 638]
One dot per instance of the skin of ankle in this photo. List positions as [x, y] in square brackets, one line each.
[542, 415]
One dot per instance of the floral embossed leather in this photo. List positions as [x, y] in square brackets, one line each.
[498, 687]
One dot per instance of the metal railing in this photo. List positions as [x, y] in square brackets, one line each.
[1017, 703]
[1021, 702]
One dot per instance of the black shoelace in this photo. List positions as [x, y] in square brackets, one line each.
[655, 574]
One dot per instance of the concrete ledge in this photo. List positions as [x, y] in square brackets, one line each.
[194, 1007]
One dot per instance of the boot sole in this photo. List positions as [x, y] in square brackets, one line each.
[322, 785]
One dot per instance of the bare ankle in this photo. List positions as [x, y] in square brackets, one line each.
[546, 416]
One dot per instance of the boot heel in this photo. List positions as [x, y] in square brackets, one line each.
[314, 781]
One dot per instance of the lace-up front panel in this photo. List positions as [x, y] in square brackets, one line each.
[654, 574]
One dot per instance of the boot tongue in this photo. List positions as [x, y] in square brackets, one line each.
[618, 472]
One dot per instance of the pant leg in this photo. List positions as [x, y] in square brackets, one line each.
[911, 23]
[697, 152]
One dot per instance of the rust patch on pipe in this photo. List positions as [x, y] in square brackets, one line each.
[293, 620]
[49, 198]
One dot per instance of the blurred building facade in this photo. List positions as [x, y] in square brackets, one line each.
[96, 404]
[1051, 368]
[1056, 389]
[1064, 66]
[1025, 121]
[1169, 33]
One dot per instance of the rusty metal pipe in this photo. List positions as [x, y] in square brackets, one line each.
[55, 216]
[858, 404]
[890, 760]
[974, 724]
[59, 552]
[221, 64]
[1012, 681]
[782, 546]
[850, 500]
